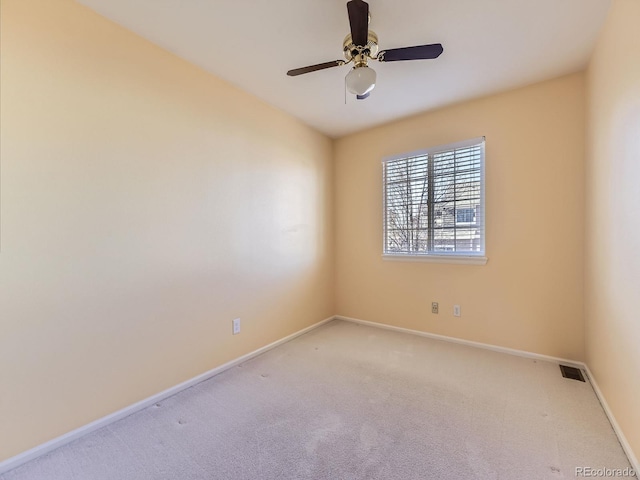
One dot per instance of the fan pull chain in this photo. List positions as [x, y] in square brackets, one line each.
[345, 90]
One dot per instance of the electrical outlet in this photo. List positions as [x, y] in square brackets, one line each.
[236, 326]
[434, 307]
[456, 310]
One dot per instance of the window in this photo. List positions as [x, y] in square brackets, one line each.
[434, 202]
[465, 215]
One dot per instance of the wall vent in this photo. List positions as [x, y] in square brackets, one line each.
[572, 373]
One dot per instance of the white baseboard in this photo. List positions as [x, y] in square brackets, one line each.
[616, 428]
[13, 462]
[521, 353]
[16, 461]
[485, 346]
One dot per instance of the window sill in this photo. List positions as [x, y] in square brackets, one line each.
[452, 259]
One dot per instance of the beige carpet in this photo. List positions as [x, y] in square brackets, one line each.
[353, 402]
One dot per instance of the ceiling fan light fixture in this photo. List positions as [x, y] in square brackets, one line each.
[361, 80]
[360, 46]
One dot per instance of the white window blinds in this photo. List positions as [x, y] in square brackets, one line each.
[434, 201]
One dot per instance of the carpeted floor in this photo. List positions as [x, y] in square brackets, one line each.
[347, 401]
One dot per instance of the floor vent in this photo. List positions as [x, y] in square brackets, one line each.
[572, 373]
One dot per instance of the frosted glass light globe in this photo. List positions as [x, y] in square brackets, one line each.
[361, 80]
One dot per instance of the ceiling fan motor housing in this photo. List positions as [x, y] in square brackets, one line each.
[352, 51]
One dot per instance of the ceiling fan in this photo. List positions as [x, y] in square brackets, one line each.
[360, 46]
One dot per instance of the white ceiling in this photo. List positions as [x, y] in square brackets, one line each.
[489, 46]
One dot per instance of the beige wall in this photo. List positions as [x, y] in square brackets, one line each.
[613, 216]
[529, 294]
[145, 204]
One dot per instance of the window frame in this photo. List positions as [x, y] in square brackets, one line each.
[478, 258]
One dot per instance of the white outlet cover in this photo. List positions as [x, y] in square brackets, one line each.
[236, 326]
[456, 310]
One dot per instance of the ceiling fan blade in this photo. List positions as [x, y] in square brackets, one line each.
[419, 52]
[359, 21]
[314, 68]
[362, 97]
